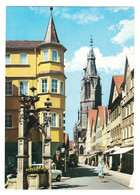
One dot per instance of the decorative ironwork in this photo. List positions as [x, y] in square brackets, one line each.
[29, 113]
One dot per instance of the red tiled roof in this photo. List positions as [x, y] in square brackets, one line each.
[92, 114]
[109, 113]
[101, 114]
[70, 145]
[118, 81]
[66, 138]
[26, 44]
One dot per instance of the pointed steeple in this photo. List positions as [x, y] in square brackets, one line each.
[51, 34]
[91, 66]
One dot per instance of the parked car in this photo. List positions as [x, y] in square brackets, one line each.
[56, 174]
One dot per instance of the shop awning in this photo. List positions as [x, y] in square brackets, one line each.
[93, 155]
[109, 150]
[122, 150]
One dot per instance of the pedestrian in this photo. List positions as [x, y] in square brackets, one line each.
[100, 170]
[92, 162]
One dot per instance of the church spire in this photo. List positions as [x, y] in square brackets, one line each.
[91, 66]
[91, 41]
[51, 34]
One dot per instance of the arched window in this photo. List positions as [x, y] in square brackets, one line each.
[81, 150]
[87, 90]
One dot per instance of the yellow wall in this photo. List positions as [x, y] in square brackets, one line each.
[16, 72]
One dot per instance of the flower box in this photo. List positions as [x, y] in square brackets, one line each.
[37, 178]
[37, 181]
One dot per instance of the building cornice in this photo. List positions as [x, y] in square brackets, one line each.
[51, 72]
[17, 65]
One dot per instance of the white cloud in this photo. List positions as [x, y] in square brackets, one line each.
[108, 64]
[78, 61]
[126, 31]
[83, 17]
[116, 9]
[39, 10]
[112, 27]
[45, 10]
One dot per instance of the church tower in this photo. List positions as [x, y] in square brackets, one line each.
[90, 95]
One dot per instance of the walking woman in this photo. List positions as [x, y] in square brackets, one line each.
[100, 170]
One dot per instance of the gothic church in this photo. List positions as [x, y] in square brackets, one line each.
[90, 97]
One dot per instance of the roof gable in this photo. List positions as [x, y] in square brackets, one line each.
[101, 114]
[92, 115]
[116, 83]
[129, 66]
[115, 94]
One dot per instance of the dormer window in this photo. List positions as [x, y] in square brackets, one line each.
[45, 55]
[54, 55]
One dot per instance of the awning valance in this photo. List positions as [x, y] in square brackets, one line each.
[122, 150]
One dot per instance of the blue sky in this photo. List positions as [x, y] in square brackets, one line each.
[112, 29]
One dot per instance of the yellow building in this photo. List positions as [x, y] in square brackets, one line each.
[39, 64]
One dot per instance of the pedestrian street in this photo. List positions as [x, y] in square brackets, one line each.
[85, 177]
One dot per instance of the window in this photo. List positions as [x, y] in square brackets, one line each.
[123, 133]
[128, 110]
[8, 121]
[128, 132]
[54, 85]
[62, 88]
[81, 150]
[60, 120]
[61, 58]
[24, 88]
[45, 55]
[54, 55]
[44, 85]
[53, 120]
[132, 107]
[7, 58]
[9, 88]
[23, 58]
[131, 130]
[125, 111]
[87, 90]
[38, 87]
